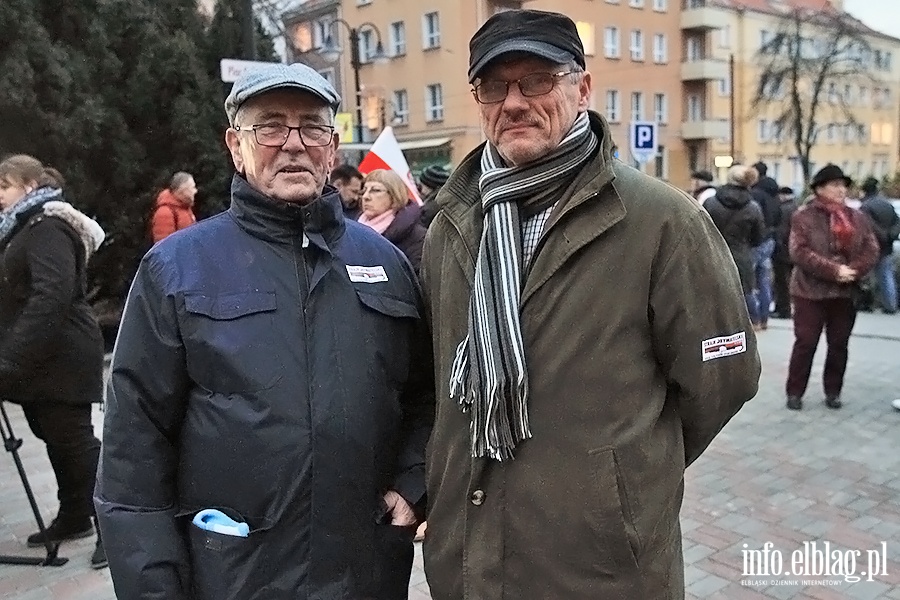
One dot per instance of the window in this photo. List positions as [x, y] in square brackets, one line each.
[861, 133]
[694, 108]
[431, 30]
[660, 108]
[876, 97]
[859, 168]
[694, 49]
[659, 5]
[765, 41]
[398, 38]
[830, 133]
[863, 96]
[366, 45]
[887, 60]
[611, 42]
[832, 93]
[762, 131]
[586, 33]
[776, 170]
[636, 3]
[848, 94]
[434, 102]
[637, 106]
[776, 132]
[847, 133]
[319, 33]
[612, 106]
[637, 45]
[725, 86]
[660, 50]
[401, 107]
[725, 37]
[661, 165]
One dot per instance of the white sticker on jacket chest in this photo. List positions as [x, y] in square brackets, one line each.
[366, 274]
[724, 346]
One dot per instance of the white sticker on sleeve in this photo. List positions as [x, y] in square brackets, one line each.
[366, 274]
[724, 346]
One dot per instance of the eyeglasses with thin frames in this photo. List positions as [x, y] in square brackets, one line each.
[492, 91]
[275, 135]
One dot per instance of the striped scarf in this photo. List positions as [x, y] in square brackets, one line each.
[489, 376]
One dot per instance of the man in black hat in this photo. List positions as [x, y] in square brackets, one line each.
[591, 340]
[701, 186]
[431, 181]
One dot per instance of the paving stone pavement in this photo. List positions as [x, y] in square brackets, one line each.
[771, 476]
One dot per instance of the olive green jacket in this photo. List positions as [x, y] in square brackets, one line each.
[629, 280]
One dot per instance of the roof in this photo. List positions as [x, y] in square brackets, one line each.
[781, 7]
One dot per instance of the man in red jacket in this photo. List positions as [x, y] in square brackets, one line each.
[174, 207]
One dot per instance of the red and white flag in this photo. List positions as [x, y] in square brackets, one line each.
[386, 154]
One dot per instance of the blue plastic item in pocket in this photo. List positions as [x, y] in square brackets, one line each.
[214, 520]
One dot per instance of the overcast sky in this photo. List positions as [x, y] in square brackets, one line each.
[877, 14]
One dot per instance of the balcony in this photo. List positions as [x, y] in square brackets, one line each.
[704, 70]
[704, 17]
[704, 130]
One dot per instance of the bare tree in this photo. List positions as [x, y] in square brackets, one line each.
[804, 66]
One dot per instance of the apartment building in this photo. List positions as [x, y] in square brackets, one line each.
[857, 120]
[420, 88]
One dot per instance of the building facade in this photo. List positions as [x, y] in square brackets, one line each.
[420, 87]
[857, 116]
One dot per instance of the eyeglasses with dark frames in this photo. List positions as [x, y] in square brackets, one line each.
[492, 91]
[274, 135]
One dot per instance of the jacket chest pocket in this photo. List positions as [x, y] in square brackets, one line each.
[228, 341]
[388, 325]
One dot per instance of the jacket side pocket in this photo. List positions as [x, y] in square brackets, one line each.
[613, 521]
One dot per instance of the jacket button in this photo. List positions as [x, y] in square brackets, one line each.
[478, 497]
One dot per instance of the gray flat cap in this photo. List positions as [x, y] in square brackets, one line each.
[278, 76]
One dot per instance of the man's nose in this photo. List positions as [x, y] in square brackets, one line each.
[293, 143]
[515, 101]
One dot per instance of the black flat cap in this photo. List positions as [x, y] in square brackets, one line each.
[549, 35]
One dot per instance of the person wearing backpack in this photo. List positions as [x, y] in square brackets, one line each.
[174, 209]
[887, 229]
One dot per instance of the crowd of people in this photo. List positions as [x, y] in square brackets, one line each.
[303, 379]
[819, 258]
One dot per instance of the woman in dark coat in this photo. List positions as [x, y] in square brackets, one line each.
[51, 349]
[386, 208]
[832, 247]
[740, 221]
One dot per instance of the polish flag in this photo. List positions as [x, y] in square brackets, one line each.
[386, 154]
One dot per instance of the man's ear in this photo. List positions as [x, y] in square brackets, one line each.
[233, 141]
[584, 91]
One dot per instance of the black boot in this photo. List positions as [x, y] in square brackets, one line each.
[98, 558]
[794, 403]
[833, 402]
[61, 529]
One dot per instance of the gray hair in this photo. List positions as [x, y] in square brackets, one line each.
[179, 179]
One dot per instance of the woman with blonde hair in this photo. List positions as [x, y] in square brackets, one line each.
[740, 221]
[387, 209]
[51, 348]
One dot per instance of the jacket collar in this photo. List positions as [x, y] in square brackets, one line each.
[460, 199]
[322, 220]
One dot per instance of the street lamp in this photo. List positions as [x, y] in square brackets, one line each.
[331, 52]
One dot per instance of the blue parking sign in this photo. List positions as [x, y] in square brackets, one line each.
[644, 143]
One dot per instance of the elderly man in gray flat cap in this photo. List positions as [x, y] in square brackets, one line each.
[271, 390]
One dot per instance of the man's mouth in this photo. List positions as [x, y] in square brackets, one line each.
[293, 169]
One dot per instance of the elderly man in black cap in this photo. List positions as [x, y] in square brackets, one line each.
[270, 393]
[591, 340]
